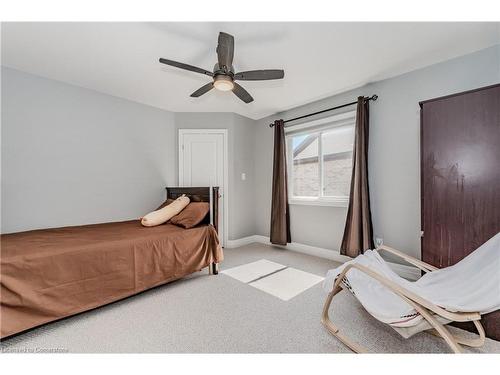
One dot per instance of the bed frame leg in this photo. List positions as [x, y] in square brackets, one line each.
[215, 268]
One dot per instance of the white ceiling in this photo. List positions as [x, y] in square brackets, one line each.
[319, 59]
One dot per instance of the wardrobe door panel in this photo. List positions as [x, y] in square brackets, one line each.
[460, 175]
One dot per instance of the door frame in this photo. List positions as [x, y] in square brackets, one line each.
[223, 190]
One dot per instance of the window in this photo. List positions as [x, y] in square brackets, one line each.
[320, 160]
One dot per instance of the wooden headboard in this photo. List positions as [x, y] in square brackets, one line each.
[200, 194]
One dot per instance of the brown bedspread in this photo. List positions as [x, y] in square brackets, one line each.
[53, 273]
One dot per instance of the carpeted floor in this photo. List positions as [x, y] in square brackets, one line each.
[219, 314]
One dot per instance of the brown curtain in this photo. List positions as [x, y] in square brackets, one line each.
[280, 214]
[358, 233]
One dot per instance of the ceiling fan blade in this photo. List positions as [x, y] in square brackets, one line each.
[186, 67]
[241, 93]
[260, 75]
[203, 90]
[225, 50]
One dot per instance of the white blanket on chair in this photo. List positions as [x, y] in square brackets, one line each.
[471, 285]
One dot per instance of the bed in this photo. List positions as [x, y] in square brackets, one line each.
[51, 274]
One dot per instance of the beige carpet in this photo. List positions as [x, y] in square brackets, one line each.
[219, 314]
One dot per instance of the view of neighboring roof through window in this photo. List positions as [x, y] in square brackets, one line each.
[320, 163]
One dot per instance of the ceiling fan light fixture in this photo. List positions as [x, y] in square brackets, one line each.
[223, 75]
[223, 83]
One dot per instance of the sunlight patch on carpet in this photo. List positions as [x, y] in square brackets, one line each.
[253, 271]
[287, 283]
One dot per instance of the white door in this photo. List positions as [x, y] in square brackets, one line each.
[203, 162]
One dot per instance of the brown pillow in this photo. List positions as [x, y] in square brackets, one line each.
[166, 213]
[192, 215]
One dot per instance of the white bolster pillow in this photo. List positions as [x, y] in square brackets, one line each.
[166, 213]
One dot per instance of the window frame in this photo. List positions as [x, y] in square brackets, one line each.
[316, 127]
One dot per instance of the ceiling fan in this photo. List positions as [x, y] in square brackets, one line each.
[223, 74]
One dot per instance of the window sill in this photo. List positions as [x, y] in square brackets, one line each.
[334, 202]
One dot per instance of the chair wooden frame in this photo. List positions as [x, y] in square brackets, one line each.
[425, 308]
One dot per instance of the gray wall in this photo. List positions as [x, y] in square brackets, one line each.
[73, 156]
[240, 159]
[394, 164]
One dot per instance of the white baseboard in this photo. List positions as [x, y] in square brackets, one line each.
[230, 244]
[408, 272]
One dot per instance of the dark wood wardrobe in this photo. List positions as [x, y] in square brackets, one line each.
[460, 178]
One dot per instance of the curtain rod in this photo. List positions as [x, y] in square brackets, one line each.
[373, 97]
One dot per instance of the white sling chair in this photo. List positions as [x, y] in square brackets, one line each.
[460, 293]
